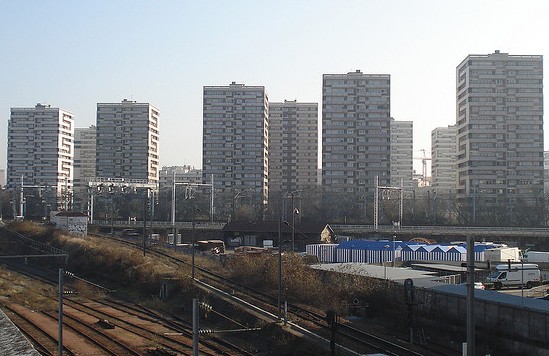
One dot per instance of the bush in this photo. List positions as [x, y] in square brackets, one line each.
[321, 289]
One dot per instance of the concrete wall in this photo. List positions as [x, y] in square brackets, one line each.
[513, 326]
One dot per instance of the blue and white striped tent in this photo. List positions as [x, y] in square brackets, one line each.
[368, 251]
[326, 253]
[457, 253]
[409, 252]
[479, 249]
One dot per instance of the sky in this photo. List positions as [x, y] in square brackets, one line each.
[74, 54]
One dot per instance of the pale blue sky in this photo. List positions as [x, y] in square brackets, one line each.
[73, 54]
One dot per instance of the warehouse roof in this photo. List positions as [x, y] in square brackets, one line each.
[364, 269]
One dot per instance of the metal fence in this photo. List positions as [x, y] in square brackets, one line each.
[450, 230]
[205, 225]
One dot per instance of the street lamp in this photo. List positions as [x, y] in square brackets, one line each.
[294, 213]
[112, 217]
[384, 262]
[394, 250]
[192, 245]
[522, 280]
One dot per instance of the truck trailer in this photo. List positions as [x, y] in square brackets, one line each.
[513, 275]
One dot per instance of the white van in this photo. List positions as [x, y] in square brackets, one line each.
[509, 275]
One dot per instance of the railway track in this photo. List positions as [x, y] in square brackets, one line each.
[169, 339]
[176, 325]
[43, 341]
[106, 343]
[346, 334]
[176, 338]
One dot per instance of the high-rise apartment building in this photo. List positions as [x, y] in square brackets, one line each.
[293, 147]
[84, 163]
[402, 153]
[443, 159]
[127, 141]
[235, 140]
[40, 150]
[500, 128]
[356, 134]
[546, 172]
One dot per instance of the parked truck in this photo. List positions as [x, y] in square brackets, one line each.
[513, 275]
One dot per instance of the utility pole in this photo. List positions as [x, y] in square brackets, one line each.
[145, 212]
[388, 190]
[470, 296]
[196, 327]
[279, 265]
[293, 223]
[212, 209]
[60, 318]
[21, 199]
[173, 212]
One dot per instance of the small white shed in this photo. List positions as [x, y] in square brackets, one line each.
[74, 222]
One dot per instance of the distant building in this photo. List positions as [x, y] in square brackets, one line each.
[293, 147]
[2, 178]
[402, 152]
[319, 177]
[443, 159]
[546, 171]
[355, 131]
[267, 233]
[183, 174]
[235, 141]
[499, 129]
[84, 164]
[73, 222]
[128, 141]
[40, 152]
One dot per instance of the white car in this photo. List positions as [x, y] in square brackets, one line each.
[479, 285]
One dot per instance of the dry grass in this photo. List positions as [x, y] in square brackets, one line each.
[128, 268]
[32, 294]
[323, 290]
[116, 265]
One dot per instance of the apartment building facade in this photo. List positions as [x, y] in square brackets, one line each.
[41, 153]
[84, 164]
[293, 147]
[443, 159]
[235, 141]
[546, 172]
[500, 128]
[402, 154]
[355, 132]
[128, 141]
